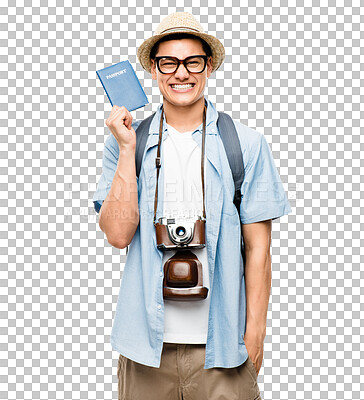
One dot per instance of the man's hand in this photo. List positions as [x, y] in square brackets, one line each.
[254, 346]
[119, 123]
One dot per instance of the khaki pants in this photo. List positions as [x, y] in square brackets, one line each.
[182, 376]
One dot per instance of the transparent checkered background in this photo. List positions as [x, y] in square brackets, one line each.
[291, 72]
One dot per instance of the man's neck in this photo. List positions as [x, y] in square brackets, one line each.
[185, 118]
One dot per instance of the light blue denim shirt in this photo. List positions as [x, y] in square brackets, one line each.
[138, 326]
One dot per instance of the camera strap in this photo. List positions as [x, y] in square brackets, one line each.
[158, 164]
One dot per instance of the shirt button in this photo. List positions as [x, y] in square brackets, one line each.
[159, 306]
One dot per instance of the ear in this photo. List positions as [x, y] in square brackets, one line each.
[153, 70]
[209, 66]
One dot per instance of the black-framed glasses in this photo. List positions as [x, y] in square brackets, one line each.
[193, 64]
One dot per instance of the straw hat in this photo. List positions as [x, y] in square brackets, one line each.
[180, 22]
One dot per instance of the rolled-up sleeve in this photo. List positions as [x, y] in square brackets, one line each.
[109, 163]
[263, 195]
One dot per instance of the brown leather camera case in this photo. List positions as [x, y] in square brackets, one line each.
[183, 277]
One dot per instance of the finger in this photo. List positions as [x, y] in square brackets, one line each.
[115, 113]
[114, 116]
[123, 114]
[129, 118]
[129, 123]
[114, 110]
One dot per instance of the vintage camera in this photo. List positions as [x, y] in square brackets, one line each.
[183, 272]
[173, 233]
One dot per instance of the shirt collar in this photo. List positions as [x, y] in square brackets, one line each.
[211, 118]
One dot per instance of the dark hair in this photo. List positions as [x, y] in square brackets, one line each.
[177, 36]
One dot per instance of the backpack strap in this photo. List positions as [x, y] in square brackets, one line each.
[141, 139]
[230, 139]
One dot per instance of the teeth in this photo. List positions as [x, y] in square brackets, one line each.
[182, 86]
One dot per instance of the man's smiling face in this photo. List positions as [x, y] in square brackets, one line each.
[181, 49]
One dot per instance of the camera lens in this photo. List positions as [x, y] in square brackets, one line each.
[180, 231]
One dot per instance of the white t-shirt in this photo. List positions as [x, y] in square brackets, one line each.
[184, 321]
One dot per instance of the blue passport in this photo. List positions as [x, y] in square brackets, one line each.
[122, 86]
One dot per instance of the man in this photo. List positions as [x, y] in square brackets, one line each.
[211, 348]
